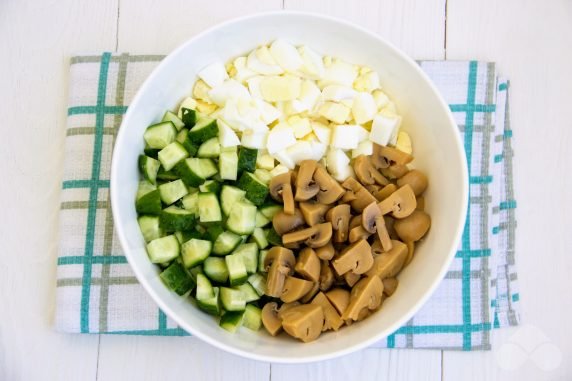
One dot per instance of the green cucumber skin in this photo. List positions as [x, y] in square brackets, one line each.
[171, 222]
[273, 237]
[203, 132]
[187, 175]
[149, 203]
[189, 117]
[247, 159]
[256, 192]
[149, 167]
[151, 152]
[231, 320]
[166, 128]
[177, 278]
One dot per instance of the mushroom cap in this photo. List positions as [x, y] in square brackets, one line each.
[277, 184]
[363, 197]
[313, 212]
[366, 294]
[356, 258]
[389, 286]
[306, 187]
[314, 236]
[326, 252]
[385, 192]
[340, 299]
[285, 307]
[390, 263]
[313, 291]
[304, 322]
[339, 216]
[358, 233]
[401, 203]
[330, 189]
[420, 203]
[393, 155]
[369, 216]
[283, 223]
[308, 264]
[270, 319]
[366, 173]
[413, 227]
[377, 159]
[410, 252]
[416, 179]
[294, 289]
[395, 171]
[326, 276]
[351, 278]
[332, 319]
[280, 263]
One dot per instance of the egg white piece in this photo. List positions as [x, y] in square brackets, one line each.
[214, 74]
[363, 108]
[280, 138]
[345, 136]
[385, 128]
[284, 158]
[226, 136]
[313, 65]
[229, 89]
[286, 55]
[261, 61]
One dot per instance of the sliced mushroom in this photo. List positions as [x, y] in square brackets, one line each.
[420, 203]
[357, 234]
[279, 263]
[389, 286]
[339, 216]
[393, 155]
[270, 319]
[313, 291]
[395, 171]
[280, 188]
[314, 236]
[413, 227]
[330, 189]
[385, 192]
[356, 258]
[373, 221]
[366, 173]
[377, 159]
[348, 197]
[389, 264]
[306, 187]
[389, 222]
[416, 179]
[373, 189]
[351, 278]
[355, 221]
[366, 294]
[308, 264]
[283, 223]
[376, 247]
[326, 252]
[383, 234]
[326, 276]
[294, 289]
[304, 322]
[363, 197]
[332, 319]
[285, 307]
[339, 298]
[313, 213]
[410, 252]
[401, 202]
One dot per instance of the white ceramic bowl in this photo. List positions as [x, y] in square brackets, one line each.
[426, 117]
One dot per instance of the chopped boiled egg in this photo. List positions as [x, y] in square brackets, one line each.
[384, 128]
[339, 73]
[265, 161]
[309, 96]
[214, 74]
[286, 55]
[381, 99]
[403, 142]
[226, 135]
[336, 112]
[278, 170]
[312, 64]
[254, 139]
[336, 160]
[284, 158]
[363, 148]
[253, 84]
[318, 149]
[201, 91]
[205, 107]
[243, 73]
[241, 115]
[367, 82]
[363, 108]
[188, 103]
[299, 151]
[345, 136]
[230, 89]
[261, 61]
[343, 173]
[301, 126]
[338, 93]
[322, 131]
[390, 107]
[280, 138]
[280, 88]
[268, 113]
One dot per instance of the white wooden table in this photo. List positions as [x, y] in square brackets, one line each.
[531, 40]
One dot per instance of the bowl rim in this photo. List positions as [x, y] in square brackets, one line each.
[312, 358]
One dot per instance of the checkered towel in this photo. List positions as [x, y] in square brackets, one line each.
[98, 293]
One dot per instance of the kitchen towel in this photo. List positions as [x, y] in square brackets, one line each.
[98, 293]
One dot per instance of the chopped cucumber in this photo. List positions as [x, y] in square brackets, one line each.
[249, 254]
[183, 138]
[149, 168]
[261, 220]
[256, 191]
[188, 116]
[184, 236]
[172, 155]
[211, 186]
[160, 135]
[247, 159]
[209, 149]
[226, 242]
[195, 171]
[270, 210]
[261, 258]
[211, 305]
[258, 282]
[213, 231]
[260, 238]
[163, 250]
[242, 218]
[273, 237]
[173, 118]
[172, 191]
[229, 195]
[248, 292]
[263, 175]
[231, 320]
[195, 251]
[228, 165]
[191, 203]
[215, 269]
[150, 228]
[177, 278]
[166, 175]
[203, 130]
[236, 269]
[232, 299]
[151, 152]
[173, 218]
[209, 208]
[148, 199]
[252, 317]
[204, 287]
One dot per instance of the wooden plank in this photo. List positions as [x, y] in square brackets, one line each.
[417, 27]
[37, 41]
[172, 358]
[530, 41]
